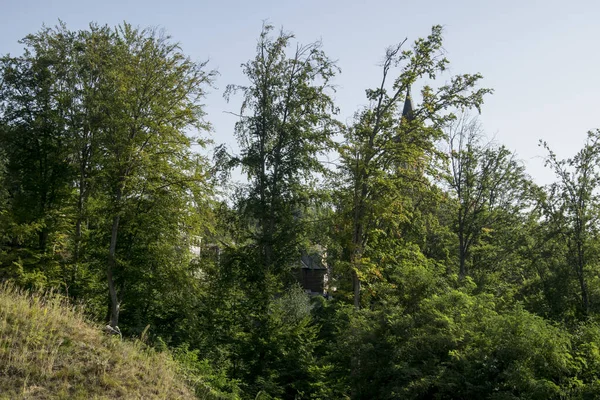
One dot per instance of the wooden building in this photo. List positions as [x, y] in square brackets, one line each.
[312, 274]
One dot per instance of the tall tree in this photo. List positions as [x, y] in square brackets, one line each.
[488, 184]
[100, 114]
[149, 96]
[86, 52]
[38, 171]
[36, 143]
[285, 125]
[572, 208]
[390, 148]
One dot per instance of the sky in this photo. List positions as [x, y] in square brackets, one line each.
[541, 58]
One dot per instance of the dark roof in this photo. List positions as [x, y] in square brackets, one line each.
[312, 261]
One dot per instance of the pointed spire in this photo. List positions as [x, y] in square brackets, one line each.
[407, 112]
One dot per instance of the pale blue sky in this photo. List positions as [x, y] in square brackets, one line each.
[540, 57]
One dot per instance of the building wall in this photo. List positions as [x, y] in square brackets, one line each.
[313, 279]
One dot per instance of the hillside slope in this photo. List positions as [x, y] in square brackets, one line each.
[49, 351]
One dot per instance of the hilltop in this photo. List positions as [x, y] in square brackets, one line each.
[49, 351]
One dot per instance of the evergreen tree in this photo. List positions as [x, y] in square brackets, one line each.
[285, 124]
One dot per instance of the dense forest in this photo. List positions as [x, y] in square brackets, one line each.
[450, 273]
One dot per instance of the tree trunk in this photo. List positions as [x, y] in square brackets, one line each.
[79, 222]
[356, 258]
[584, 295]
[356, 286]
[43, 239]
[581, 270]
[112, 262]
[358, 240]
[585, 305]
[462, 255]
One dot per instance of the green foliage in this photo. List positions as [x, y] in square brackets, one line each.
[102, 178]
[458, 346]
[570, 210]
[388, 155]
[285, 125]
[491, 191]
[450, 274]
[202, 377]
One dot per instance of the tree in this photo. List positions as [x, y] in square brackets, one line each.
[572, 209]
[85, 51]
[35, 141]
[285, 124]
[149, 96]
[389, 149]
[488, 184]
[101, 116]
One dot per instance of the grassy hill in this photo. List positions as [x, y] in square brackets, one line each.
[49, 351]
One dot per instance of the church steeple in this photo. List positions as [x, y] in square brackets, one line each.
[407, 112]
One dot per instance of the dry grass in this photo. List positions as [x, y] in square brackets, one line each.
[49, 351]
